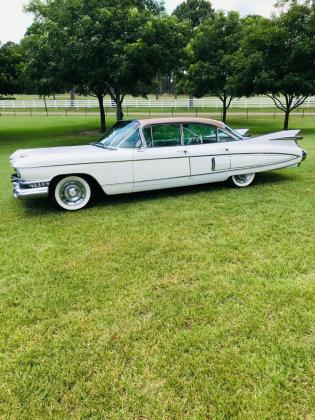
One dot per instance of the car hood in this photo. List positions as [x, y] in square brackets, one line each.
[50, 156]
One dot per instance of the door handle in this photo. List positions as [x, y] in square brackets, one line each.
[182, 151]
[213, 164]
[224, 150]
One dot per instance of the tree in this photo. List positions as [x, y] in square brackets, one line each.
[40, 69]
[278, 58]
[211, 68]
[10, 66]
[96, 46]
[166, 39]
[196, 11]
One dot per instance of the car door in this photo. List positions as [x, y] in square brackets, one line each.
[163, 161]
[208, 158]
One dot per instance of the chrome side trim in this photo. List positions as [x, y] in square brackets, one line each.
[164, 158]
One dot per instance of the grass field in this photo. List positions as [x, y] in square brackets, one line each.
[190, 303]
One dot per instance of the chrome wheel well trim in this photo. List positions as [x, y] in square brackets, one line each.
[93, 183]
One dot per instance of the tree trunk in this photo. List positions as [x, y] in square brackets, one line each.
[100, 98]
[119, 110]
[158, 87]
[224, 110]
[44, 98]
[286, 119]
[175, 87]
[72, 95]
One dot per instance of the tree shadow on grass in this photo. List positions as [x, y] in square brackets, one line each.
[41, 206]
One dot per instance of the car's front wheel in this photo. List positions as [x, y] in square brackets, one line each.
[71, 193]
[242, 180]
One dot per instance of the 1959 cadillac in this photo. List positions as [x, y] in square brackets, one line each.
[151, 154]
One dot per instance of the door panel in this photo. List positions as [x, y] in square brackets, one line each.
[164, 162]
[207, 156]
[208, 159]
[160, 163]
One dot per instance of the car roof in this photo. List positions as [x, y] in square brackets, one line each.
[150, 121]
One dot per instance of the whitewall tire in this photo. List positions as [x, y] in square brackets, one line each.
[72, 193]
[241, 181]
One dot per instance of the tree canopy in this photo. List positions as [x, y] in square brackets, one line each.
[277, 58]
[195, 11]
[119, 47]
[104, 47]
[10, 68]
[211, 53]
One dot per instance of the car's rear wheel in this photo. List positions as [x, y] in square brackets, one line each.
[242, 180]
[71, 193]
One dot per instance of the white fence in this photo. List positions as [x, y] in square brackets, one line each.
[255, 102]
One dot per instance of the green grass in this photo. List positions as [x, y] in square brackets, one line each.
[187, 303]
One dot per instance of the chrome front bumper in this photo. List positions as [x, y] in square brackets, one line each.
[26, 190]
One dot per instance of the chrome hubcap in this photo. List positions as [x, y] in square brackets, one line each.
[242, 179]
[72, 193]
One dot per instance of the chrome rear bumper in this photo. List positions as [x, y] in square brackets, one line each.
[304, 154]
[25, 190]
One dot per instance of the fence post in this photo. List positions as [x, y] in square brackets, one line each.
[247, 112]
[31, 112]
[66, 111]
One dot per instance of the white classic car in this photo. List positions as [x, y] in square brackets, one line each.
[151, 154]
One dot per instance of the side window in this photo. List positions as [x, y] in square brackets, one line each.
[162, 135]
[132, 141]
[199, 134]
[224, 136]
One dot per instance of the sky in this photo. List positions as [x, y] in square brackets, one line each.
[14, 22]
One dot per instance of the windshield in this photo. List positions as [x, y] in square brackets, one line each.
[115, 137]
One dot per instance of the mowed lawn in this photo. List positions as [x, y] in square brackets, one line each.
[189, 303]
